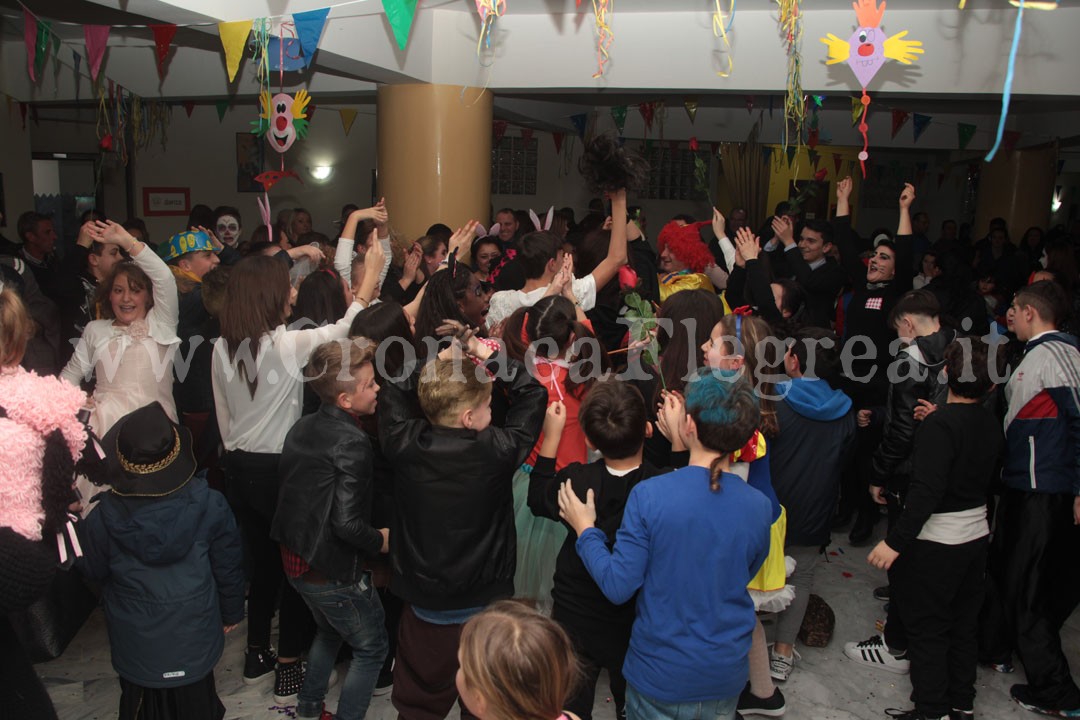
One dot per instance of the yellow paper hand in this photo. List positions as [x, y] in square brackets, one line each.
[905, 51]
[839, 50]
[300, 103]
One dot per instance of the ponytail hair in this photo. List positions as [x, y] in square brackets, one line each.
[725, 411]
[763, 356]
[553, 325]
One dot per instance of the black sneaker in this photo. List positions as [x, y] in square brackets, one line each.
[911, 715]
[882, 593]
[751, 704]
[955, 714]
[1026, 699]
[258, 664]
[288, 679]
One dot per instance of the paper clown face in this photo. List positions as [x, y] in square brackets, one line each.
[283, 119]
[869, 47]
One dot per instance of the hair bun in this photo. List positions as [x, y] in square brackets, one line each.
[608, 167]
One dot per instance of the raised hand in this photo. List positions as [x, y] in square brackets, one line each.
[412, 262]
[719, 224]
[907, 196]
[784, 230]
[555, 419]
[462, 238]
[746, 243]
[213, 238]
[843, 189]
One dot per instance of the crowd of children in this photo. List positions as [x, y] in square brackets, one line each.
[382, 444]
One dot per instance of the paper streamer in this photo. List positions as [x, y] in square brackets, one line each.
[1006, 95]
[794, 103]
[30, 38]
[97, 37]
[234, 37]
[490, 11]
[604, 36]
[721, 31]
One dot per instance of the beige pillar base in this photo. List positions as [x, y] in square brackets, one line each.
[434, 155]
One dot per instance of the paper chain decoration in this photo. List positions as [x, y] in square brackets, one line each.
[866, 51]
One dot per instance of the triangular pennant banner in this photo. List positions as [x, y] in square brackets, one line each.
[714, 147]
[647, 110]
[527, 135]
[1009, 139]
[348, 117]
[311, 108]
[790, 154]
[580, 121]
[189, 106]
[815, 158]
[691, 108]
[163, 37]
[618, 114]
[498, 130]
[400, 14]
[222, 106]
[899, 119]
[557, 138]
[919, 123]
[97, 37]
[234, 37]
[750, 104]
[812, 138]
[1061, 167]
[766, 153]
[964, 133]
[30, 38]
[837, 162]
[41, 50]
[309, 27]
[22, 114]
[856, 110]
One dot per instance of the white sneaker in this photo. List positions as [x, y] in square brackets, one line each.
[780, 666]
[875, 653]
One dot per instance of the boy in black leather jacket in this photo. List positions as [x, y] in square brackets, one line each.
[323, 525]
[455, 548]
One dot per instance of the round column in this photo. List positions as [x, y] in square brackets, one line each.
[434, 155]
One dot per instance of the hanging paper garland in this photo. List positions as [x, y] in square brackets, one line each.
[691, 105]
[604, 35]
[490, 11]
[865, 52]
[721, 31]
[794, 104]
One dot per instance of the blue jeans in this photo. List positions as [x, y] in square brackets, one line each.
[343, 613]
[643, 707]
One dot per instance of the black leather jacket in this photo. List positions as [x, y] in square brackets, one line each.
[324, 505]
[915, 374]
[452, 543]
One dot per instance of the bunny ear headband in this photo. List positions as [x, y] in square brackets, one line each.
[481, 231]
[547, 221]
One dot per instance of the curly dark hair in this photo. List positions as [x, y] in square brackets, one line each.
[607, 167]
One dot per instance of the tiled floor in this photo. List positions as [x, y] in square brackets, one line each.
[825, 685]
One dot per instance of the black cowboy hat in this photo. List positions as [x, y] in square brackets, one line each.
[147, 454]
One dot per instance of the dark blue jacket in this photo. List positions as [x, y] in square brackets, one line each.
[172, 576]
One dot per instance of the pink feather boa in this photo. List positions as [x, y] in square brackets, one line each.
[35, 407]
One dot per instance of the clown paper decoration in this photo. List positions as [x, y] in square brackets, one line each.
[866, 51]
[283, 119]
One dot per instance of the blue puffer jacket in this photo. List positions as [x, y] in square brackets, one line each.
[1042, 425]
[172, 573]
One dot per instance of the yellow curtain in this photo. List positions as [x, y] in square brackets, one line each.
[747, 175]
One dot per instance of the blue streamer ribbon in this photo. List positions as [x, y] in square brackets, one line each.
[1006, 95]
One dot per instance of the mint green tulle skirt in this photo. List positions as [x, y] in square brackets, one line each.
[538, 544]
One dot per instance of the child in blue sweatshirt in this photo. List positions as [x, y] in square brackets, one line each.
[690, 542]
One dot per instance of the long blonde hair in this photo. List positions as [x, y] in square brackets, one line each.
[15, 329]
[521, 662]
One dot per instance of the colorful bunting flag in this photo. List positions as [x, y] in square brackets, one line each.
[964, 133]
[812, 137]
[766, 152]
[222, 106]
[41, 49]
[348, 117]
[899, 119]
[691, 104]
[285, 54]
[837, 162]
[163, 37]
[498, 130]
[557, 137]
[790, 154]
[647, 110]
[77, 60]
[234, 37]
[580, 121]
[189, 106]
[309, 28]
[815, 158]
[30, 30]
[618, 114]
[919, 123]
[97, 37]
[750, 104]
[856, 110]
[400, 14]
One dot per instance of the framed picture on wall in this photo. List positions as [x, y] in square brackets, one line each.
[162, 201]
[250, 155]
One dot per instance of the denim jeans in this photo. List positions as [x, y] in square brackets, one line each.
[343, 613]
[643, 707]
